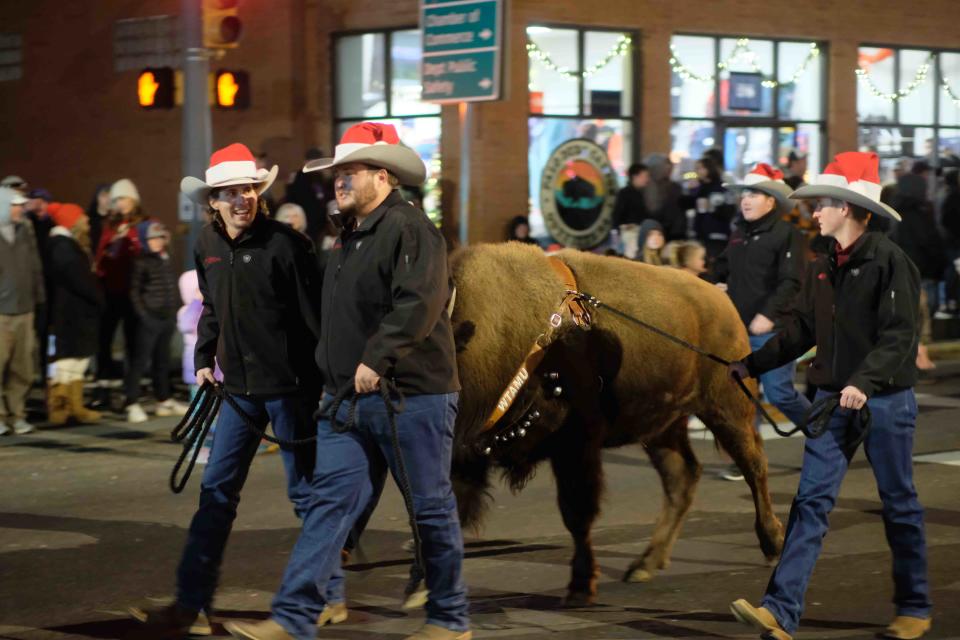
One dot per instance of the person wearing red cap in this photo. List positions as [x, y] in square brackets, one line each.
[762, 267]
[859, 307]
[76, 303]
[385, 295]
[259, 322]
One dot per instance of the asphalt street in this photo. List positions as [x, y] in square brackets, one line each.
[88, 528]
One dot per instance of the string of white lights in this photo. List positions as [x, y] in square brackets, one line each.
[950, 92]
[740, 50]
[918, 79]
[619, 49]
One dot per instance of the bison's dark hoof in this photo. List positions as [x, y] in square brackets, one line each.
[772, 560]
[576, 599]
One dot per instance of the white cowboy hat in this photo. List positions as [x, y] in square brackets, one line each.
[767, 180]
[231, 165]
[376, 144]
[854, 177]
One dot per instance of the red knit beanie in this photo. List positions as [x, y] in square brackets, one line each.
[65, 214]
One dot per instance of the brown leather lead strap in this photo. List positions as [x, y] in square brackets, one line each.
[581, 318]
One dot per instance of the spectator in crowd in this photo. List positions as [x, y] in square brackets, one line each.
[691, 257]
[118, 248]
[663, 197]
[75, 306]
[312, 192]
[763, 266]
[950, 223]
[713, 206]
[716, 156]
[520, 230]
[153, 294]
[97, 212]
[292, 214]
[21, 290]
[37, 210]
[652, 240]
[796, 170]
[918, 236]
[800, 214]
[630, 208]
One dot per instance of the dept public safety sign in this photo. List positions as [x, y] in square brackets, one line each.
[461, 50]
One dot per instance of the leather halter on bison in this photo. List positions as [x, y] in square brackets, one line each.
[612, 385]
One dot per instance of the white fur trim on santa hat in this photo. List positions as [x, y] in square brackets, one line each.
[867, 189]
[232, 170]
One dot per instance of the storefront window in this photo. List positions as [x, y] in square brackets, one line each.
[581, 85]
[756, 100]
[905, 98]
[371, 84]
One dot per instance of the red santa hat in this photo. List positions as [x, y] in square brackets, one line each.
[376, 144]
[768, 180]
[65, 214]
[232, 165]
[853, 177]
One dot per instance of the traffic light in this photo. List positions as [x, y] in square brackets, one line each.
[232, 89]
[221, 26]
[155, 88]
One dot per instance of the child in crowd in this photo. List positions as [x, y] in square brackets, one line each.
[691, 257]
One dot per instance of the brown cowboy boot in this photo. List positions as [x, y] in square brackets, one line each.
[58, 404]
[77, 410]
[266, 630]
[907, 628]
[333, 614]
[759, 618]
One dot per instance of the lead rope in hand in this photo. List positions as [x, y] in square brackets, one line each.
[192, 430]
[388, 391]
[817, 417]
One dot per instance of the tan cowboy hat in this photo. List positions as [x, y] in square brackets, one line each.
[854, 177]
[229, 166]
[767, 180]
[376, 144]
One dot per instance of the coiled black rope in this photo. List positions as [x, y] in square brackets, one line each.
[192, 430]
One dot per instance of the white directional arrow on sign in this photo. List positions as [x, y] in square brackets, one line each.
[486, 83]
[486, 34]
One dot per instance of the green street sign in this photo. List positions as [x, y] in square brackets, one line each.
[461, 50]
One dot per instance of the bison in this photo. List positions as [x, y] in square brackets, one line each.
[612, 385]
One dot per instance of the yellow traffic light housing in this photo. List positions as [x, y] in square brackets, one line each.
[155, 88]
[221, 26]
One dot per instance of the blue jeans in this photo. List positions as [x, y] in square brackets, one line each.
[778, 386]
[232, 451]
[889, 449]
[343, 486]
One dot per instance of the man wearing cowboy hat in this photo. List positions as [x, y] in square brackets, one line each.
[260, 324]
[385, 294]
[860, 308]
[762, 267]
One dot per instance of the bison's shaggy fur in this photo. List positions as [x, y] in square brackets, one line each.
[620, 384]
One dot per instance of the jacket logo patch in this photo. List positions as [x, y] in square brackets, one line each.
[247, 258]
[821, 276]
[209, 260]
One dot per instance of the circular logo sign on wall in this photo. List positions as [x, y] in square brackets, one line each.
[577, 192]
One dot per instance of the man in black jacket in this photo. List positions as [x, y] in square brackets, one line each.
[259, 323]
[860, 308]
[385, 294]
[762, 267]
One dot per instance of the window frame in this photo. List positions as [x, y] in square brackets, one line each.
[636, 93]
[775, 122]
[937, 79]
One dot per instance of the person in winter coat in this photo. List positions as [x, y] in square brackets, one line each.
[920, 239]
[762, 267]
[118, 248]
[153, 293]
[950, 222]
[714, 207]
[663, 196]
[260, 323]
[520, 230]
[21, 290]
[97, 212]
[76, 303]
[630, 209]
[651, 241]
[860, 309]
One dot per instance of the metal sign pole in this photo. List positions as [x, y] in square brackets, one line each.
[466, 135]
[196, 130]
